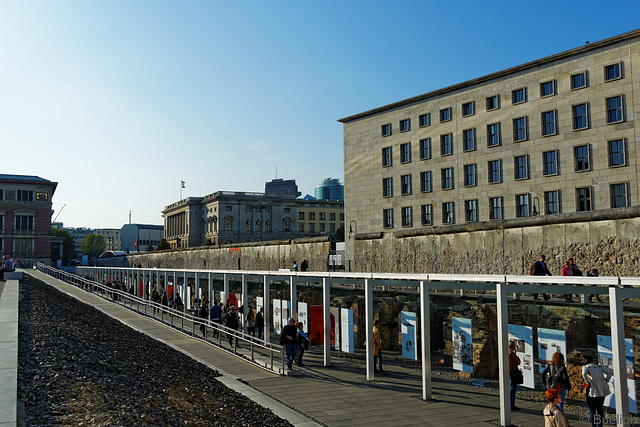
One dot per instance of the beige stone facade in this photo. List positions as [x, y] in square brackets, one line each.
[557, 135]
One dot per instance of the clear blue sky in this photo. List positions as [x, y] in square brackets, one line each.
[118, 101]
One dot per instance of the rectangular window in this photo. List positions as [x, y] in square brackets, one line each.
[424, 120]
[618, 195]
[578, 81]
[312, 228]
[470, 172]
[323, 216]
[614, 109]
[405, 153]
[322, 228]
[405, 125]
[387, 218]
[469, 139]
[248, 226]
[549, 123]
[521, 167]
[495, 171]
[301, 215]
[405, 185]
[495, 208]
[468, 109]
[332, 216]
[386, 129]
[520, 131]
[425, 149]
[445, 114]
[582, 158]
[332, 228]
[547, 88]
[312, 215]
[258, 226]
[471, 210]
[387, 188]
[426, 182]
[493, 135]
[616, 153]
[447, 178]
[24, 195]
[228, 208]
[23, 222]
[551, 202]
[519, 96]
[426, 214]
[612, 72]
[386, 156]
[448, 215]
[550, 163]
[583, 199]
[493, 102]
[301, 227]
[580, 117]
[446, 146]
[407, 216]
[522, 205]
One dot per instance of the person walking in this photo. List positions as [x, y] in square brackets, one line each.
[539, 268]
[514, 362]
[553, 415]
[567, 271]
[260, 323]
[555, 376]
[288, 340]
[203, 313]
[596, 377]
[215, 314]
[251, 323]
[593, 273]
[302, 341]
[377, 349]
[232, 321]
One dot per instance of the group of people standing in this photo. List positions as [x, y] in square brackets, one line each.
[539, 268]
[555, 379]
[295, 341]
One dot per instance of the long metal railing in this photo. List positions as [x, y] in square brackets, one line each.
[256, 351]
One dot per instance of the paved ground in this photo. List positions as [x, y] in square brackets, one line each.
[338, 395]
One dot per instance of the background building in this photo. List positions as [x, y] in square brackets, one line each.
[136, 237]
[553, 136]
[330, 189]
[237, 217]
[111, 238]
[25, 218]
[282, 187]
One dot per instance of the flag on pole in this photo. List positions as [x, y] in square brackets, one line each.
[182, 184]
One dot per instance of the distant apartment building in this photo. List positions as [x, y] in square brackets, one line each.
[553, 136]
[25, 218]
[111, 238]
[330, 190]
[238, 217]
[136, 237]
[282, 187]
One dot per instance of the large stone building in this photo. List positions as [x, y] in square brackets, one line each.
[553, 136]
[25, 218]
[238, 217]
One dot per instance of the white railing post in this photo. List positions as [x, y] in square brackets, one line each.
[503, 361]
[368, 309]
[425, 337]
[326, 317]
[619, 356]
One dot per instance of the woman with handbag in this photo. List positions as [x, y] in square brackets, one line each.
[596, 378]
[515, 376]
[555, 375]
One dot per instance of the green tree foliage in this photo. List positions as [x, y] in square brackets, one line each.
[149, 248]
[163, 244]
[93, 245]
[339, 236]
[68, 246]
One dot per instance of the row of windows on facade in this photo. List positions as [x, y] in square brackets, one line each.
[257, 227]
[617, 157]
[23, 195]
[20, 246]
[518, 96]
[615, 114]
[552, 201]
[321, 216]
[20, 222]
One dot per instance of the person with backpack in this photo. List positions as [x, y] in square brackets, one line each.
[553, 415]
[232, 321]
[596, 378]
[556, 376]
[288, 340]
[539, 268]
[216, 317]
[303, 344]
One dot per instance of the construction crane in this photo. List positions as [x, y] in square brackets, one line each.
[54, 219]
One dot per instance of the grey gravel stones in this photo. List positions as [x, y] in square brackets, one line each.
[78, 366]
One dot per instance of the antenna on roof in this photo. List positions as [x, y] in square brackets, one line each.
[276, 171]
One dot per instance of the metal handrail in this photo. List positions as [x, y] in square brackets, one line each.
[142, 305]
